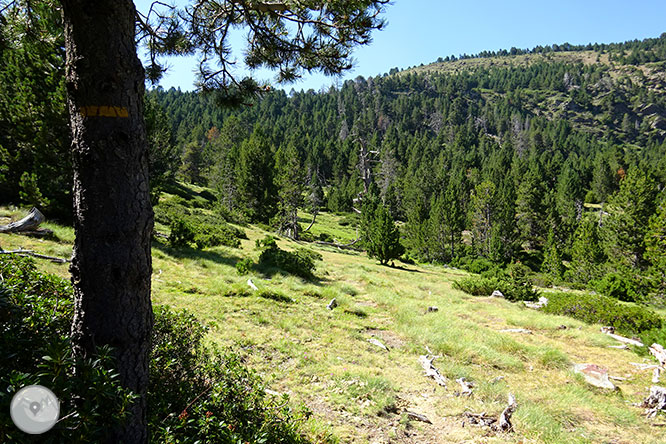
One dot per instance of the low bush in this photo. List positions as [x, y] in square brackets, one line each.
[244, 266]
[599, 309]
[618, 286]
[300, 262]
[513, 290]
[477, 265]
[196, 393]
[181, 233]
[36, 313]
[274, 295]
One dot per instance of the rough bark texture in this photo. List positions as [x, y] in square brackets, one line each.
[111, 265]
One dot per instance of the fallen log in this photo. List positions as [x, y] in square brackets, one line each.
[28, 223]
[339, 246]
[251, 285]
[417, 416]
[655, 402]
[658, 352]
[331, 305]
[30, 253]
[430, 370]
[626, 340]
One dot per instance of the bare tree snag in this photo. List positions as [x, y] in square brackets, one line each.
[29, 223]
[430, 370]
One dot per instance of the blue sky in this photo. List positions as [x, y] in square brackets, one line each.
[420, 31]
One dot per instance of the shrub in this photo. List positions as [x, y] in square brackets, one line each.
[300, 262]
[182, 233]
[513, 290]
[196, 393]
[598, 309]
[35, 317]
[244, 266]
[618, 286]
[274, 295]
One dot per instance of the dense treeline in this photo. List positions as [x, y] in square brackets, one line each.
[555, 163]
[552, 164]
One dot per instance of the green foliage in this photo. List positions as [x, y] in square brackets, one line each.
[163, 156]
[597, 309]
[274, 295]
[655, 249]
[587, 255]
[513, 289]
[624, 229]
[552, 260]
[35, 317]
[244, 266]
[181, 233]
[476, 265]
[618, 286]
[29, 191]
[300, 262]
[381, 236]
[35, 163]
[195, 228]
[196, 393]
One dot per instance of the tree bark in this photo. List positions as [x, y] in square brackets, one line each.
[111, 265]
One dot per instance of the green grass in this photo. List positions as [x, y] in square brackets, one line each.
[358, 392]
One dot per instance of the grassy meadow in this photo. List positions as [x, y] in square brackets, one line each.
[358, 392]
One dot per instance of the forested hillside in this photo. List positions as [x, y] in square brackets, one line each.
[554, 157]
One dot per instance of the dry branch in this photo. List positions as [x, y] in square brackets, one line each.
[501, 424]
[378, 343]
[26, 253]
[656, 401]
[430, 370]
[417, 416]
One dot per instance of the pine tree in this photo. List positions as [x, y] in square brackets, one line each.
[655, 248]
[289, 180]
[383, 236]
[587, 255]
[552, 261]
[629, 211]
[254, 175]
[482, 217]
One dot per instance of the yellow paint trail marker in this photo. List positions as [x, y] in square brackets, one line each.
[104, 111]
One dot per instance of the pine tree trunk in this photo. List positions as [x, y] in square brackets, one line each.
[111, 266]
